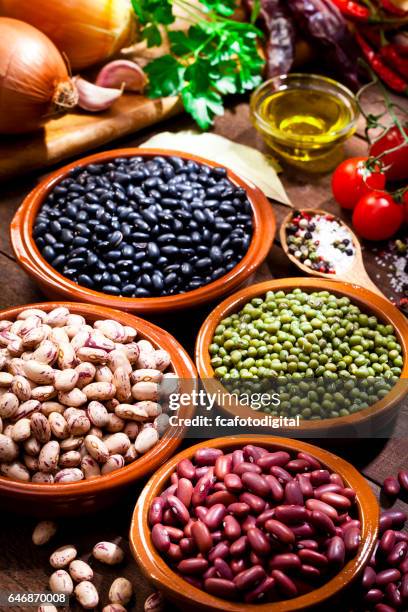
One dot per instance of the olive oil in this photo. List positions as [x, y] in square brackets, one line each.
[305, 119]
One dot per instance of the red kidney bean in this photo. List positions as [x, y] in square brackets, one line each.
[305, 485]
[220, 550]
[255, 483]
[255, 559]
[238, 565]
[280, 531]
[311, 544]
[319, 477]
[336, 551]
[374, 596]
[351, 524]
[393, 595]
[223, 569]
[275, 486]
[322, 521]
[169, 518]
[312, 557]
[337, 501]
[352, 540]
[160, 538]
[398, 553]
[256, 503]
[202, 488]
[290, 514]
[312, 461]
[391, 486]
[201, 471]
[316, 504]
[404, 587]
[201, 536]
[303, 531]
[178, 509]
[169, 491]
[187, 528]
[237, 458]
[249, 578]
[207, 456]
[175, 534]
[349, 493]
[219, 486]
[258, 541]
[253, 453]
[210, 573]
[387, 575]
[310, 571]
[248, 523]
[232, 529]
[175, 552]
[215, 516]
[220, 588]
[384, 608]
[240, 509]
[185, 469]
[239, 547]
[245, 466]
[264, 516]
[281, 474]
[337, 479]
[403, 567]
[298, 466]
[194, 581]
[201, 512]
[269, 459]
[174, 478]
[261, 590]
[285, 561]
[233, 483]
[194, 565]
[285, 584]
[293, 493]
[403, 479]
[220, 497]
[156, 511]
[217, 536]
[385, 523]
[397, 517]
[187, 546]
[401, 536]
[185, 491]
[330, 487]
[223, 466]
[387, 541]
[369, 578]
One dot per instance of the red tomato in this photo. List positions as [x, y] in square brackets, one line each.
[405, 204]
[377, 216]
[398, 160]
[351, 180]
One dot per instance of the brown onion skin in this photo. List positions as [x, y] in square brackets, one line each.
[32, 71]
[86, 31]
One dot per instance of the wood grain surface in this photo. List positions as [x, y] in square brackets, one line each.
[24, 567]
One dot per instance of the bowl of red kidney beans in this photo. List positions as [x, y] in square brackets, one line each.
[143, 230]
[247, 523]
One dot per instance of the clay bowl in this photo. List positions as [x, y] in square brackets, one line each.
[187, 597]
[366, 422]
[74, 499]
[56, 286]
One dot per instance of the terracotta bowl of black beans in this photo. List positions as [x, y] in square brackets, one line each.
[143, 230]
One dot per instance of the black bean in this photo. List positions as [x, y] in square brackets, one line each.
[203, 264]
[153, 251]
[112, 289]
[48, 253]
[58, 262]
[86, 281]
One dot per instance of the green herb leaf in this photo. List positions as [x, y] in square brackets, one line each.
[151, 34]
[165, 76]
[222, 7]
[202, 106]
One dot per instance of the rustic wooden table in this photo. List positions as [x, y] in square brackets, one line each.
[24, 567]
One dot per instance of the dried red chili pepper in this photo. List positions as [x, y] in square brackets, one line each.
[390, 55]
[352, 10]
[391, 8]
[390, 78]
[280, 48]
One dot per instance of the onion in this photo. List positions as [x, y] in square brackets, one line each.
[34, 80]
[87, 31]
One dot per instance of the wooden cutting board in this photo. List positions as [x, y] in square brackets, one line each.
[78, 132]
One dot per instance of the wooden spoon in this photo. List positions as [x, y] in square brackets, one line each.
[355, 273]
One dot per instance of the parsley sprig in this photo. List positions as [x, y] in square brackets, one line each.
[216, 56]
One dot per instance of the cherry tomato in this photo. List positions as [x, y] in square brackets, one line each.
[398, 160]
[377, 216]
[351, 180]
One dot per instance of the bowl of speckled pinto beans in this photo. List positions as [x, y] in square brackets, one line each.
[148, 231]
[83, 405]
[339, 350]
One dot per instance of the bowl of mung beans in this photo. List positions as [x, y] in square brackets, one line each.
[239, 524]
[143, 230]
[83, 410]
[336, 354]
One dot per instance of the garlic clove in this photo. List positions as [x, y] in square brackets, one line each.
[94, 98]
[122, 73]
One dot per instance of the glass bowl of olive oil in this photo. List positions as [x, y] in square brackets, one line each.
[305, 118]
